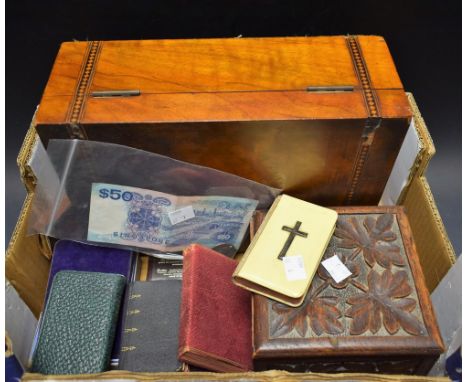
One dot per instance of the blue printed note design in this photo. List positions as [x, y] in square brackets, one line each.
[140, 218]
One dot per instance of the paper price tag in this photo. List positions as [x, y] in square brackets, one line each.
[337, 270]
[294, 268]
[181, 215]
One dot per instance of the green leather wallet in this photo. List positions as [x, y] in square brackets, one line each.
[78, 324]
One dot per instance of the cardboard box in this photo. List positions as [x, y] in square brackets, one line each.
[27, 263]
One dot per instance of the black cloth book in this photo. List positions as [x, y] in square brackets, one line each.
[150, 336]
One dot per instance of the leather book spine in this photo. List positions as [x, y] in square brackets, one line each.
[186, 304]
[127, 324]
[150, 335]
[215, 325]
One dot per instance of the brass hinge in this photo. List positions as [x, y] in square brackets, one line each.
[325, 89]
[115, 93]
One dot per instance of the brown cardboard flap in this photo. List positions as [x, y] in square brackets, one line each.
[24, 155]
[428, 144]
[435, 250]
[426, 152]
[26, 263]
[272, 375]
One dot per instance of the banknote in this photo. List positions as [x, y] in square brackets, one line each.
[149, 219]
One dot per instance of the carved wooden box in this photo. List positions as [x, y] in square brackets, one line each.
[380, 319]
[321, 118]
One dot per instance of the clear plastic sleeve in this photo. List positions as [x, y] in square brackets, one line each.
[61, 206]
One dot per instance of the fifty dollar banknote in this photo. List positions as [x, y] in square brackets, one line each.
[142, 218]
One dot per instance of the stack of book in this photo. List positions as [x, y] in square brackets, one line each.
[313, 287]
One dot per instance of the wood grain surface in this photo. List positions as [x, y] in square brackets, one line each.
[403, 337]
[242, 105]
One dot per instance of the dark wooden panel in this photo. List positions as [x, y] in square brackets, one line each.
[378, 319]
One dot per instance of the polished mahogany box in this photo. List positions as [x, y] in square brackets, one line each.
[379, 319]
[322, 118]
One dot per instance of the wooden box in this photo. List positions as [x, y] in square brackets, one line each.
[322, 118]
[380, 319]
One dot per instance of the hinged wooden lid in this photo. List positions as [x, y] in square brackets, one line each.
[223, 79]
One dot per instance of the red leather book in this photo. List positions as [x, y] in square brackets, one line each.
[216, 321]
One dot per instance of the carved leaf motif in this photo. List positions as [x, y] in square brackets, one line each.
[324, 315]
[387, 302]
[372, 238]
[318, 313]
[287, 319]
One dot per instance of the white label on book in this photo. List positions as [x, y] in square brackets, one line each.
[294, 268]
[337, 270]
[181, 215]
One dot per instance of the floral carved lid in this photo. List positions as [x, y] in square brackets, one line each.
[384, 297]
